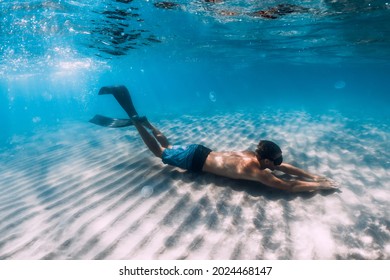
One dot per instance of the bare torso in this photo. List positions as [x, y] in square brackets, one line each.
[236, 165]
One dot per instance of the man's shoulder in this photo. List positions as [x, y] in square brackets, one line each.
[248, 152]
[254, 173]
[253, 166]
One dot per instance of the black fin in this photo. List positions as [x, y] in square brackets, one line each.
[110, 122]
[122, 95]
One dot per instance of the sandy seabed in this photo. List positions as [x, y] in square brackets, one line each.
[85, 192]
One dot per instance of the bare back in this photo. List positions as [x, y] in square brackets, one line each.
[235, 165]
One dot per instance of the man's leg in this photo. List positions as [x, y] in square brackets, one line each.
[148, 139]
[123, 97]
[157, 134]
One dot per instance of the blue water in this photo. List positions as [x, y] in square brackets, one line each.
[56, 54]
[331, 60]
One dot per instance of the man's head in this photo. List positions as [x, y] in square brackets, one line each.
[268, 154]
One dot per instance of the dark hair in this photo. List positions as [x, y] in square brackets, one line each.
[269, 150]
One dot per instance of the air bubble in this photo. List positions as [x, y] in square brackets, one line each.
[36, 119]
[340, 84]
[147, 191]
[212, 96]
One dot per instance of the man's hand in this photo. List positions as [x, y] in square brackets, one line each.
[304, 186]
[317, 178]
[328, 185]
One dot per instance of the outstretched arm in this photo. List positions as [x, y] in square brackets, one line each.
[271, 180]
[292, 170]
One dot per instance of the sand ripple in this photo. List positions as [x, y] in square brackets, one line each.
[85, 192]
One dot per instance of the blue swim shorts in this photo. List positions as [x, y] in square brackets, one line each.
[191, 157]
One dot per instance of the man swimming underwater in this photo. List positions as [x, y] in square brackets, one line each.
[252, 166]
